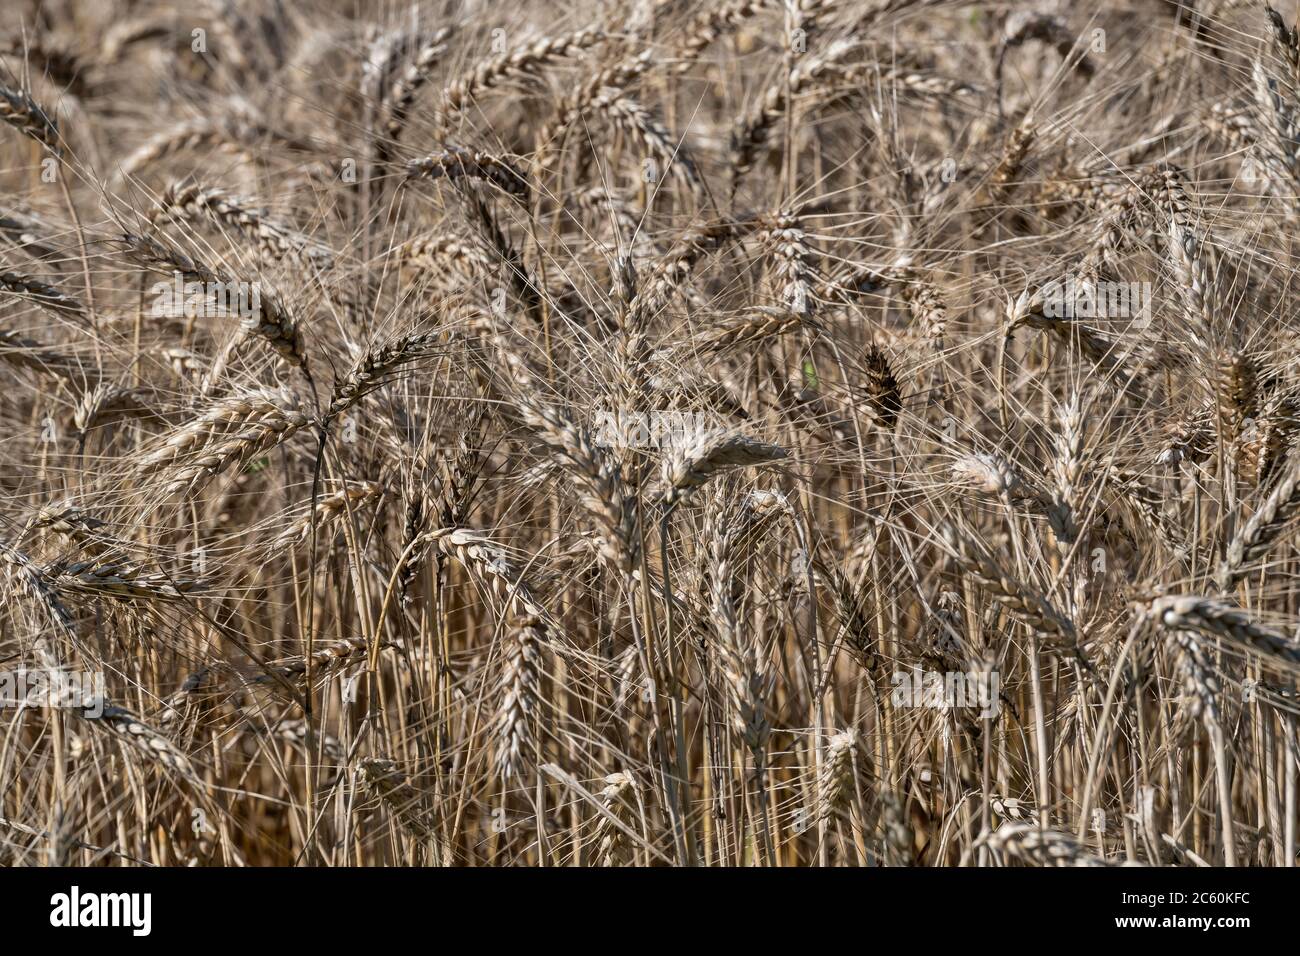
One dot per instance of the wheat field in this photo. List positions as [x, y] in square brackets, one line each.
[651, 433]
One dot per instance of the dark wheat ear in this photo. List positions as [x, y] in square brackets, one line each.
[1231, 624]
[457, 164]
[1258, 534]
[42, 294]
[884, 394]
[19, 110]
[375, 365]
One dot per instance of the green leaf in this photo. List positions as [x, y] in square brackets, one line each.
[810, 379]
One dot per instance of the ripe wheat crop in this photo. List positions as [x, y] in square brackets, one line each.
[649, 433]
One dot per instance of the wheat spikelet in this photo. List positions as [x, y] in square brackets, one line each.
[338, 657]
[1031, 608]
[990, 475]
[757, 326]
[810, 73]
[402, 94]
[1200, 680]
[611, 843]
[1067, 469]
[603, 494]
[1003, 175]
[520, 699]
[710, 24]
[1038, 847]
[639, 123]
[1217, 619]
[1278, 421]
[1259, 533]
[835, 787]
[693, 466]
[385, 780]
[296, 733]
[230, 431]
[229, 133]
[853, 611]
[1275, 94]
[38, 585]
[328, 509]
[1236, 393]
[614, 77]
[129, 728]
[448, 262]
[490, 566]
[67, 519]
[1192, 258]
[273, 239]
[122, 581]
[105, 403]
[794, 272]
[924, 301]
[742, 661]
[1189, 439]
[525, 60]
[1027, 311]
[676, 269]
[375, 365]
[268, 319]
